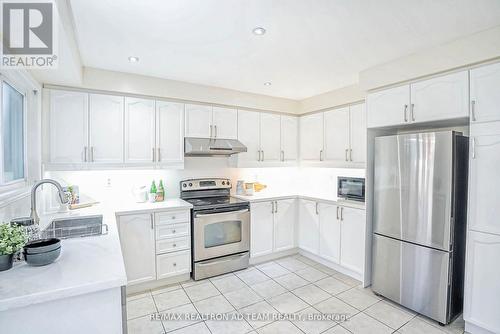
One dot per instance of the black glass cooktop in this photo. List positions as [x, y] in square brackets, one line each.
[215, 202]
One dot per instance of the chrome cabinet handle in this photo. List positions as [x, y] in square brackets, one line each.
[151, 220]
[275, 206]
[320, 155]
[412, 111]
[211, 126]
[282, 155]
[258, 155]
[341, 213]
[406, 112]
[338, 212]
[85, 154]
[473, 147]
[263, 156]
[272, 207]
[346, 152]
[158, 155]
[473, 109]
[220, 213]
[175, 264]
[153, 158]
[350, 154]
[215, 130]
[317, 212]
[91, 153]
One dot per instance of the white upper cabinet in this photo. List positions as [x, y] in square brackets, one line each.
[482, 274]
[308, 235]
[106, 128]
[249, 135]
[261, 228]
[169, 132]
[225, 123]
[199, 121]
[336, 130]
[484, 95]
[289, 138]
[284, 224]
[270, 146]
[68, 127]
[137, 238]
[329, 232]
[357, 119]
[388, 107]
[352, 246]
[483, 208]
[139, 130]
[311, 137]
[440, 98]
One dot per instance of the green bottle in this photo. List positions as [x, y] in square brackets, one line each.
[160, 195]
[153, 188]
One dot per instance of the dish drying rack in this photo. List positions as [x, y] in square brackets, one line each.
[78, 231]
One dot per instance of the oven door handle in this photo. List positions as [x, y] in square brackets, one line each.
[226, 259]
[220, 213]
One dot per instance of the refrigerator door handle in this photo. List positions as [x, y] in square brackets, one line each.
[473, 147]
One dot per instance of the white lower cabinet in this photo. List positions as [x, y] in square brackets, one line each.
[272, 226]
[482, 277]
[309, 226]
[137, 238]
[333, 232]
[155, 245]
[329, 232]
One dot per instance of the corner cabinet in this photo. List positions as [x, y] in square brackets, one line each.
[272, 226]
[484, 96]
[440, 98]
[137, 239]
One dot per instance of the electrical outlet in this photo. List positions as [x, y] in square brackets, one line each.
[108, 183]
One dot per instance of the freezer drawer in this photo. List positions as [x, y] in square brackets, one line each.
[413, 276]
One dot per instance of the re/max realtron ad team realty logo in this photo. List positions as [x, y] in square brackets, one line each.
[29, 34]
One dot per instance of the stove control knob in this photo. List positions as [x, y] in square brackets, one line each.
[184, 185]
[223, 182]
[190, 184]
[228, 183]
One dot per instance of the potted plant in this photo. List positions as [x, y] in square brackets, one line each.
[12, 239]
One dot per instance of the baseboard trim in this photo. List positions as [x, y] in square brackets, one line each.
[273, 256]
[141, 287]
[475, 329]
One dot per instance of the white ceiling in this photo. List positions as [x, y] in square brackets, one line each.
[311, 46]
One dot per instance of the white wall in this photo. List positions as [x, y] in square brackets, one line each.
[333, 98]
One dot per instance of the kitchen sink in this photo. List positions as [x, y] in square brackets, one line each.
[76, 227]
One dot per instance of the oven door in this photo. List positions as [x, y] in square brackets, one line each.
[221, 233]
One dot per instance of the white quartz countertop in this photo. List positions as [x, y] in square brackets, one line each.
[85, 265]
[266, 195]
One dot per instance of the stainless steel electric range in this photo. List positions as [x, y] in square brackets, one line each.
[220, 227]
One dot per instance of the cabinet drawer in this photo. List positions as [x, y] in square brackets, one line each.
[172, 230]
[172, 244]
[173, 217]
[172, 264]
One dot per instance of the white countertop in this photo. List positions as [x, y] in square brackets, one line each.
[86, 265]
[265, 195]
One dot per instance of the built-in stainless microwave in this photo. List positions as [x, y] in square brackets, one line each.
[352, 188]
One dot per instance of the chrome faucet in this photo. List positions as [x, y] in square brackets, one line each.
[62, 196]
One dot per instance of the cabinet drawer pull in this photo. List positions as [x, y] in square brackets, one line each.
[173, 217]
[173, 231]
[174, 264]
[174, 245]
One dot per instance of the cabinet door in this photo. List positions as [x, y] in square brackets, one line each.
[199, 121]
[329, 232]
[352, 239]
[170, 132]
[483, 177]
[357, 118]
[137, 239]
[225, 122]
[270, 127]
[68, 127]
[308, 226]
[261, 232]
[139, 130]
[284, 224]
[311, 137]
[106, 128]
[388, 107]
[337, 135]
[482, 274]
[440, 98]
[289, 138]
[484, 96]
[249, 135]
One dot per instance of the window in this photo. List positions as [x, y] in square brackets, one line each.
[12, 138]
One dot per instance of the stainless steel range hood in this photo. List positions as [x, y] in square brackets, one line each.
[207, 147]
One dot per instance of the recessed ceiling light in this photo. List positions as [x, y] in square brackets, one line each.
[259, 31]
[133, 59]
[267, 83]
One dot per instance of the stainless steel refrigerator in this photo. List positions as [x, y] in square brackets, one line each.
[420, 204]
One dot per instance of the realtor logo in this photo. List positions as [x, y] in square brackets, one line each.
[28, 34]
